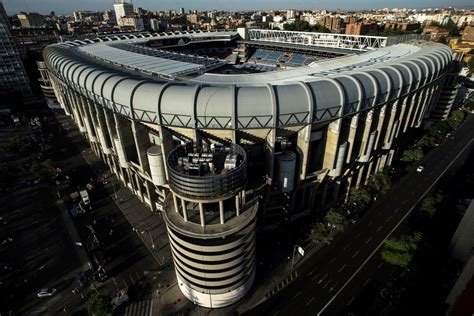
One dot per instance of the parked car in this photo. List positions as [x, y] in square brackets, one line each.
[420, 168]
[81, 279]
[46, 292]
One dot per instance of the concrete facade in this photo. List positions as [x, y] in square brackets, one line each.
[340, 127]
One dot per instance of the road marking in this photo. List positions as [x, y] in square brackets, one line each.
[315, 277]
[327, 283]
[379, 265]
[380, 227]
[309, 302]
[393, 229]
[366, 282]
[342, 268]
[322, 279]
[296, 295]
[350, 301]
[357, 236]
[396, 211]
[345, 247]
[355, 253]
[389, 218]
[404, 202]
[332, 260]
[368, 240]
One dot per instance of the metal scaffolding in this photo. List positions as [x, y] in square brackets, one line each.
[327, 40]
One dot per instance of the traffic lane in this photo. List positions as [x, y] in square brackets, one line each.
[415, 190]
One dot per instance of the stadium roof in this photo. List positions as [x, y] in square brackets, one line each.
[318, 92]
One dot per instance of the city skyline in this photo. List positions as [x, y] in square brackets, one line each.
[66, 7]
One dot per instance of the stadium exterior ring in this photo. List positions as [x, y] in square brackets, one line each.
[308, 134]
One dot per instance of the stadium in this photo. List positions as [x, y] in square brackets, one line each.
[226, 132]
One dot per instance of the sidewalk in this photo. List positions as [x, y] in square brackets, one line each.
[148, 225]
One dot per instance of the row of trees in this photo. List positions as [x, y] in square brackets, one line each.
[304, 26]
[377, 185]
[332, 224]
[433, 136]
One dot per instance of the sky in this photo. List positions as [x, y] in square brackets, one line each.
[68, 6]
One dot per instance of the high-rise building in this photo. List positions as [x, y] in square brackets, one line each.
[12, 71]
[122, 8]
[29, 20]
[181, 11]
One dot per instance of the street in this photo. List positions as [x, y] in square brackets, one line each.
[330, 279]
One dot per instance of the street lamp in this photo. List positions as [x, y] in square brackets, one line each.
[152, 242]
[298, 249]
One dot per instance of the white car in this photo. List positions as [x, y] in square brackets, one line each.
[420, 169]
[46, 292]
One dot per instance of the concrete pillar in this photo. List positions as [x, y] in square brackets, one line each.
[201, 215]
[221, 211]
[270, 155]
[175, 202]
[141, 140]
[139, 186]
[185, 212]
[360, 172]
[351, 137]
[237, 205]
[366, 132]
[332, 138]
[302, 144]
[167, 145]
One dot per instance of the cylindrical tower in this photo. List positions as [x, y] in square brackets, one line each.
[211, 224]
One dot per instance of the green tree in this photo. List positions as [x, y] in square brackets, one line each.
[360, 198]
[378, 184]
[410, 155]
[21, 145]
[430, 204]
[399, 252]
[42, 170]
[427, 141]
[336, 221]
[320, 233]
[455, 119]
[98, 305]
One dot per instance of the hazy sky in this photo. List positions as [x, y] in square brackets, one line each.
[67, 6]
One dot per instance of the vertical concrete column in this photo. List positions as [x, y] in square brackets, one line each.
[381, 119]
[351, 137]
[388, 130]
[332, 138]
[139, 186]
[401, 117]
[270, 155]
[141, 140]
[335, 190]
[185, 212]
[201, 215]
[237, 205]
[366, 133]
[175, 202]
[167, 145]
[221, 211]
[360, 172]
[410, 105]
[302, 144]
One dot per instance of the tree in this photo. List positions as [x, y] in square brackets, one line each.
[429, 205]
[98, 305]
[411, 155]
[335, 221]
[378, 184]
[320, 233]
[456, 118]
[359, 197]
[399, 252]
[42, 170]
[21, 145]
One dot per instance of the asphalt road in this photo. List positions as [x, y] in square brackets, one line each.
[334, 275]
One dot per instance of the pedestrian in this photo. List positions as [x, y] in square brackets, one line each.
[65, 309]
